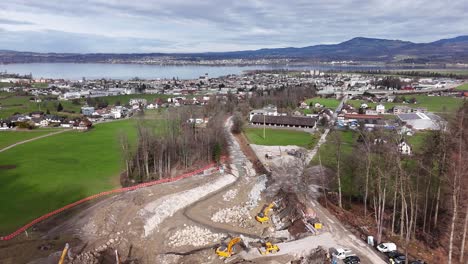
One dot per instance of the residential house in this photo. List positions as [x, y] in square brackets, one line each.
[401, 109]
[380, 108]
[37, 114]
[404, 148]
[82, 125]
[87, 110]
[138, 101]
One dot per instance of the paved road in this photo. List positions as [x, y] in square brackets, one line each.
[32, 139]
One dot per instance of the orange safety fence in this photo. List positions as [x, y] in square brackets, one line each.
[92, 197]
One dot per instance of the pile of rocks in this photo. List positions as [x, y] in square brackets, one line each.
[194, 236]
[239, 214]
[94, 256]
[87, 258]
[256, 192]
[230, 195]
[235, 215]
[155, 212]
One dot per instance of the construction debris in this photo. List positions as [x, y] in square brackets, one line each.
[157, 211]
[240, 214]
[194, 236]
[230, 195]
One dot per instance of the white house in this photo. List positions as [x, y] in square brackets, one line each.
[404, 148]
[138, 101]
[380, 108]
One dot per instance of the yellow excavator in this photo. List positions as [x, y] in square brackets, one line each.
[262, 217]
[269, 248]
[226, 251]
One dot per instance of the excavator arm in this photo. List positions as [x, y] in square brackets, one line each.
[262, 217]
[226, 251]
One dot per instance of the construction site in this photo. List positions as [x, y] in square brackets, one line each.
[260, 206]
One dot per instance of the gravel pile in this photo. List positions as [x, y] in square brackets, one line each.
[87, 258]
[230, 195]
[239, 214]
[194, 236]
[156, 212]
[256, 192]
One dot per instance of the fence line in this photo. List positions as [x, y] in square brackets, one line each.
[92, 197]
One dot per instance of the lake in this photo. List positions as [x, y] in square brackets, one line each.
[76, 71]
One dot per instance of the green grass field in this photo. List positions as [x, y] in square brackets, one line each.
[11, 104]
[280, 137]
[46, 174]
[8, 138]
[463, 87]
[326, 102]
[328, 149]
[327, 155]
[418, 140]
[437, 104]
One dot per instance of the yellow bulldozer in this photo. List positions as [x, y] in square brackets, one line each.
[224, 250]
[263, 217]
[269, 248]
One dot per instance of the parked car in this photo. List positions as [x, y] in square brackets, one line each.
[400, 259]
[342, 253]
[352, 260]
[396, 257]
[392, 254]
[386, 247]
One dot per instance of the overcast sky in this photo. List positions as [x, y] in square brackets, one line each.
[219, 25]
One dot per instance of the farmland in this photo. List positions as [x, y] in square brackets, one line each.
[463, 87]
[8, 138]
[280, 137]
[11, 104]
[326, 102]
[437, 104]
[48, 173]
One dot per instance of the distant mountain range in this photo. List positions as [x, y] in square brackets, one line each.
[357, 49]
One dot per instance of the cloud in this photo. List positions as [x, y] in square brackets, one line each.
[216, 25]
[4, 21]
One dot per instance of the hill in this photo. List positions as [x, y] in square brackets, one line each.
[357, 49]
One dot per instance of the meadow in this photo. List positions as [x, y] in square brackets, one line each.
[326, 102]
[463, 87]
[48, 173]
[11, 104]
[8, 138]
[436, 104]
[280, 137]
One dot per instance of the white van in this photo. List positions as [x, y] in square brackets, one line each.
[386, 247]
[342, 253]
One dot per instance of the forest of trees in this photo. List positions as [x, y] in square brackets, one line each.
[287, 97]
[423, 196]
[173, 143]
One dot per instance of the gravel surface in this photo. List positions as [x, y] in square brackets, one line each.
[230, 195]
[194, 236]
[154, 213]
[239, 214]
